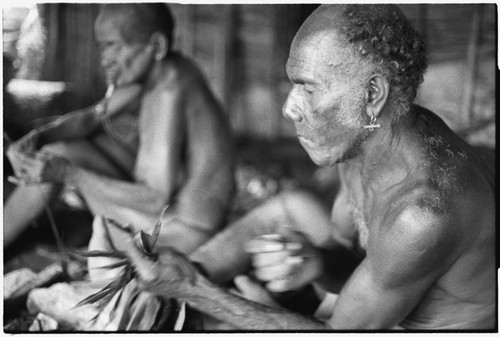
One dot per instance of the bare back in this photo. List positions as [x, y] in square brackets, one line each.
[181, 121]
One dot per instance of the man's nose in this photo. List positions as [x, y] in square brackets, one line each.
[291, 109]
[107, 59]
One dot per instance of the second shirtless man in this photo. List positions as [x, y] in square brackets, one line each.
[182, 155]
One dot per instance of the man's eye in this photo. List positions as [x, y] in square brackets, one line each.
[309, 89]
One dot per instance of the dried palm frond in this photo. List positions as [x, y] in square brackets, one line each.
[103, 297]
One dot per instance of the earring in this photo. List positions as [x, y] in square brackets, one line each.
[372, 124]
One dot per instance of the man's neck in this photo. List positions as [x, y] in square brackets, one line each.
[157, 72]
[383, 152]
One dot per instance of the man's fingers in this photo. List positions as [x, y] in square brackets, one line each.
[248, 288]
[245, 285]
[253, 291]
[22, 181]
[262, 245]
[274, 272]
[267, 259]
[280, 285]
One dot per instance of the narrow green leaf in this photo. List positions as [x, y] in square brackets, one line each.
[125, 228]
[108, 235]
[157, 227]
[113, 265]
[112, 313]
[94, 297]
[102, 253]
[145, 242]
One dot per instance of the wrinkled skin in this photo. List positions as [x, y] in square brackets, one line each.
[295, 265]
[123, 61]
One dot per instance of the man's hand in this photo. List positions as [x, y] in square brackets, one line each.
[29, 143]
[172, 275]
[23, 148]
[253, 291]
[285, 262]
[39, 168]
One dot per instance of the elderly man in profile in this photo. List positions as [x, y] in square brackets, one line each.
[160, 138]
[414, 216]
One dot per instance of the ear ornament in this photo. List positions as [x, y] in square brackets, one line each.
[373, 124]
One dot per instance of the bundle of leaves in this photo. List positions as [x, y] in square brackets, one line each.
[121, 300]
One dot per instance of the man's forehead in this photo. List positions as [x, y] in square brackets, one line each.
[115, 16]
[319, 49]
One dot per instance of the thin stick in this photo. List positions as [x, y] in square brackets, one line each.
[58, 238]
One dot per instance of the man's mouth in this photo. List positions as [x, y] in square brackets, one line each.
[111, 76]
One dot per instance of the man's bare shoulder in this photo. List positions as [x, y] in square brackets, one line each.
[182, 74]
[416, 214]
[447, 165]
[413, 240]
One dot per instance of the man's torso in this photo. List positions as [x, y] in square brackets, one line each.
[464, 295]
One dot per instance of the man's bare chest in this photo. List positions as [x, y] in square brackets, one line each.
[349, 214]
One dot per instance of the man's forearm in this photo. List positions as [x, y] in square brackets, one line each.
[244, 314]
[75, 125]
[82, 123]
[123, 201]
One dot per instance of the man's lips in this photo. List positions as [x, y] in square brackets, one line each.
[111, 75]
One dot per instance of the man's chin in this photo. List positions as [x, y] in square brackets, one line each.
[322, 160]
[319, 158]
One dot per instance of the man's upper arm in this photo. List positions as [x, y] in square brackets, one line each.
[203, 199]
[403, 260]
[162, 133]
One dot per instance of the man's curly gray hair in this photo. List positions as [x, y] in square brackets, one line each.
[382, 34]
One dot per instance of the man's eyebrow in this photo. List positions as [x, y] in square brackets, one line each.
[303, 79]
[300, 77]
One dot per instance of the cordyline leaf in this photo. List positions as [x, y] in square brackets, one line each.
[102, 253]
[118, 286]
[108, 236]
[114, 265]
[125, 228]
[104, 295]
[146, 242]
[142, 313]
[156, 228]
[94, 297]
[112, 313]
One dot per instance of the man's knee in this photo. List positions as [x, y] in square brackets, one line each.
[306, 214]
[298, 199]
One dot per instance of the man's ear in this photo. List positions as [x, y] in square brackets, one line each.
[376, 94]
[160, 44]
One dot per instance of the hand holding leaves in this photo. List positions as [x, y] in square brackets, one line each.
[144, 243]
